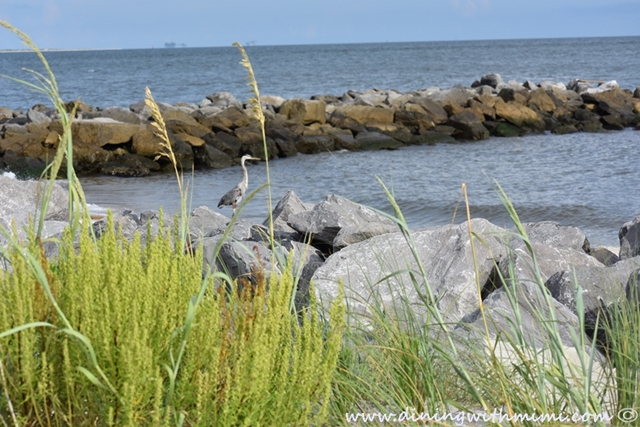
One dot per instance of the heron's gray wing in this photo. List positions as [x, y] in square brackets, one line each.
[231, 197]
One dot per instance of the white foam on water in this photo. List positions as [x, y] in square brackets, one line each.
[9, 174]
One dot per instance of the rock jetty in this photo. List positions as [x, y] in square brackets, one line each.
[216, 133]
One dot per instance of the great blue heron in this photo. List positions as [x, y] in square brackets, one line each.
[234, 196]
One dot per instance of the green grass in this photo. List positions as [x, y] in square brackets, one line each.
[113, 332]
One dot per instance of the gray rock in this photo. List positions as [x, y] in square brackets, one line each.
[604, 255]
[205, 222]
[305, 261]
[242, 230]
[492, 80]
[21, 199]
[507, 307]
[556, 248]
[629, 236]
[223, 100]
[632, 289]
[212, 157]
[376, 271]
[288, 205]
[126, 222]
[468, 126]
[123, 115]
[141, 108]
[434, 111]
[38, 117]
[329, 217]
[549, 84]
[244, 259]
[455, 95]
[602, 287]
[376, 141]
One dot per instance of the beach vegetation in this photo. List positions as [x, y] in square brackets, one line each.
[115, 332]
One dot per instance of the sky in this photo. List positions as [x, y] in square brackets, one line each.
[103, 24]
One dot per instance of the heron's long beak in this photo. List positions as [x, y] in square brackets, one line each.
[255, 158]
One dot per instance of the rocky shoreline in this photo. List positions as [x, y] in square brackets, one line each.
[337, 240]
[216, 133]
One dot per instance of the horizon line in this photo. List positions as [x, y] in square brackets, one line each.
[255, 44]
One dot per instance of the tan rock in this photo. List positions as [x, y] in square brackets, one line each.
[52, 140]
[453, 108]
[482, 110]
[194, 141]
[307, 111]
[146, 143]
[191, 128]
[236, 116]
[99, 131]
[23, 144]
[217, 123]
[519, 115]
[488, 100]
[6, 113]
[37, 128]
[174, 114]
[541, 101]
[413, 116]
[363, 114]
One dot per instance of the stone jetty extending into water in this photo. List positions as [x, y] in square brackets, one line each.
[216, 133]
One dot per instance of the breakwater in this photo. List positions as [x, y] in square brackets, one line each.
[217, 132]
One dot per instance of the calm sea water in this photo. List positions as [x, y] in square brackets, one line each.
[586, 180]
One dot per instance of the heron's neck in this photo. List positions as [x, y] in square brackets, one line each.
[245, 175]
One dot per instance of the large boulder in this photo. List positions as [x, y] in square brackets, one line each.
[362, 114]
[21, 200]
[306, 111]
[376, 141]
[541, 101]
[100, 131]
[252, 142]
[629, 236]
[377, 270]
[209, 156]
[284, 139]
[146, 143]
[223, 100]
[129, 165]
[287, 206]
[311, 144]
[337, 222]
[494, 80]
[123, 115]
[452, 98]
[519, 115]
[555, 248]
[231, 118]
[229, 144]
[602, 287]
[468, 126]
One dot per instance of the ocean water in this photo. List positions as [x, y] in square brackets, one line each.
[585, 180]
[118, 77]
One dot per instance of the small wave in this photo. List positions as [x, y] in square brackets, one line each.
[9, 174]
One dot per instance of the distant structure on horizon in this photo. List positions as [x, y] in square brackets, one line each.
[172, 44]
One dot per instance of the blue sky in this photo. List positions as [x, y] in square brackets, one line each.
[151, 23]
